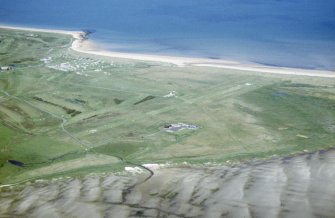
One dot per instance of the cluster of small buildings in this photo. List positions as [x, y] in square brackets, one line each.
[6, 67]
[175, 127]
[171, 94]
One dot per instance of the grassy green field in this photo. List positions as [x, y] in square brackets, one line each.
[65, 113]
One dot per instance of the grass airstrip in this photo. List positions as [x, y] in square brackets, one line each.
[66, 113]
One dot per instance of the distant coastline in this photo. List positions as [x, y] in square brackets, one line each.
[82, 44]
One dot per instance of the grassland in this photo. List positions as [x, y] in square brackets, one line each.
[64, 112]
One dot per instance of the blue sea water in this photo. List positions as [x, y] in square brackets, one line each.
[291, 33]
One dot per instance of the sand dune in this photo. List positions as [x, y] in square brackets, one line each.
[300, 186]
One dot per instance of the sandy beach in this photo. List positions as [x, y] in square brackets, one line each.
[84, 45]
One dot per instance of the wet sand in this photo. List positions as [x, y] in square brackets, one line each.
[300, 186]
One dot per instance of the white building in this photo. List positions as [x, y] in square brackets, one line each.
[6, 68]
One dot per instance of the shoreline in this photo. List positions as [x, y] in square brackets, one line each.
[83, 45]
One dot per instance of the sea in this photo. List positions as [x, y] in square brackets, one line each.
[286, 33]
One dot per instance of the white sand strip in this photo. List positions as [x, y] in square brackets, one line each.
[75, 34]
[273, 70]
[81, 44]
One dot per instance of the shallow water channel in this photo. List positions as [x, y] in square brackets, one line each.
[299, 186]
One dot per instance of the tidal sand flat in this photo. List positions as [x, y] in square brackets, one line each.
[82, 122]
